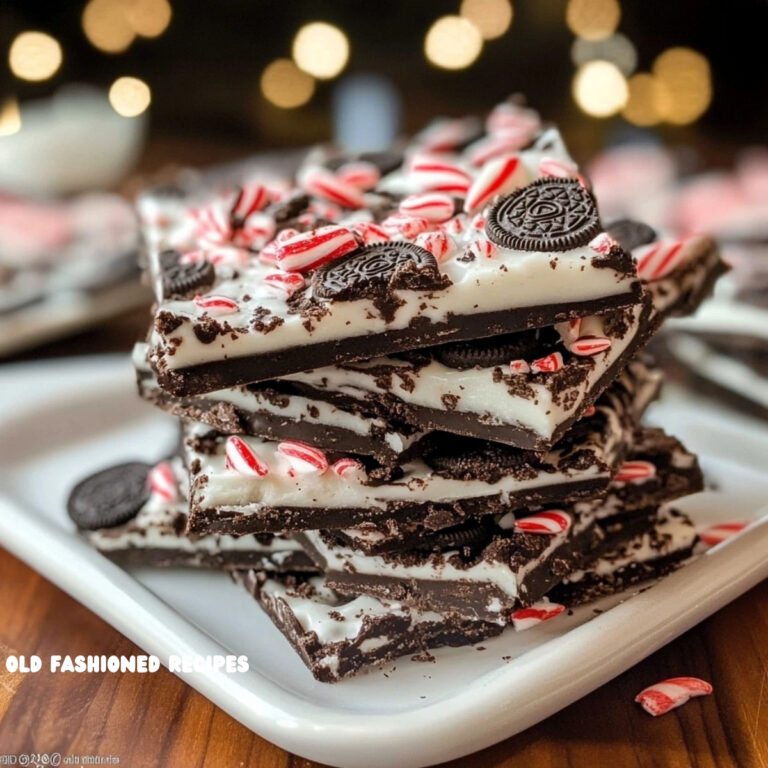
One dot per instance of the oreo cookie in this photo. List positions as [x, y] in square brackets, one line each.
[497, 350]
[547, 215]
[283, 211]
[180, 280]
[631, 234]
[110, 497]
[467, 458]
[374, 272]
[470, 535]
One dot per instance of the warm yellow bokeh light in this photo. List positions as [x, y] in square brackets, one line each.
[148, 18]
[616, 48]
[34, 56]
[600, 89]
[285, 85]
[645, 96]
[321, 50]
[453, 42]
[129, 96]
[106, 25]
[593, 19]
[10, 117]
[491, 17]
[686, 81]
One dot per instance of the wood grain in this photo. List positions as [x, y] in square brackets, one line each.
[157, 720]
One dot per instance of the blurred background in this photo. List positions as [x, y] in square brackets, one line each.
[100, 97]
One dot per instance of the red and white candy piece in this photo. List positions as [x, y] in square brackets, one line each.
[549, 364]
[586, 346]
[241, 458]
[284, 283]
[216, 305]
[553, 168]
[309, 250]
[669, 694]
[635, 471]
[591, 411]
[445, 134]
[507, 117]
[359, 174]
[302, 458]
[659, 259]
[347, 467]
[497, 177]
[437, 243]
[324, 184]
[480, 152]
[268, 254]
[454, 226]
[370, 233]
[519, 366]
[407, 226]
[549, 521]
[432, 206]
[256, 231]
[715, 534]
[212, 225]
[478, 221]
[525, 618]
[162, 482]
[482, 249]
[432, 175]
[602, 243]
[570, 330]
[248, 199]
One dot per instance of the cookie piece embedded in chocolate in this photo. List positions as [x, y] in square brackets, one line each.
[181, 279]
[375, 271]
[546, 215]
[497, 350]
[110, 497]
[631, 234]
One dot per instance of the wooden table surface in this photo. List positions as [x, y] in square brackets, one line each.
[158, 720]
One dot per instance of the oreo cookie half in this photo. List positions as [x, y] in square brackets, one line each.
[469, 535]
[373, 272]
[497, 350]
[179, 280]
[110, 497]
[547, 215]
[631, 234]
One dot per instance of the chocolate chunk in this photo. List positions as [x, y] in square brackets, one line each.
[547, 215]
[631, 234]
[284, 210]
[497, 350]
[110, 497]
[182, 279]
[373, 272]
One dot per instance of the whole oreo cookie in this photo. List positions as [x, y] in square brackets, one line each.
[467, 458]
[179, 279]
[496, 350]
[110, 497]
[547, 215]
[373, 272]
[631, 234]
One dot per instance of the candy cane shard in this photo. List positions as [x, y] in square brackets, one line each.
[635, 472]
[284, 283]
[241, 458]
[347, 467]
[302, 458]
[550, 521]
[497, 177]
[370, 233]
[512, 117]
[309, 250]
[407, 226]
[658, 259]
[557, 169]
[322, 183]
[669, 694]
[433, 206]
[549, 364]
[519, 366]
[162, 482]
[587, 346]
[481, 249]
[248, 199]
[212, 224]
[437, 243]
[533, 615]
[432, 175]
[216, 305]
[359, 174]
[603, 243]
[715, 534]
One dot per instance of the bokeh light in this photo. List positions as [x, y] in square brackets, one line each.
[34, 56]
[593, 19]
[600, 89]
[10, 117]
[686, 85]
[129, 96]
[645, 96]
[285, 85]
[107, 26]
[453, 42]
[321, 50]
[148, 18]
[491, 17]
[616, 48]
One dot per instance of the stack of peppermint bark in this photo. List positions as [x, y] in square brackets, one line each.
[409, 390]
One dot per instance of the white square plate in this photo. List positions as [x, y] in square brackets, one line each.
[62, 420]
